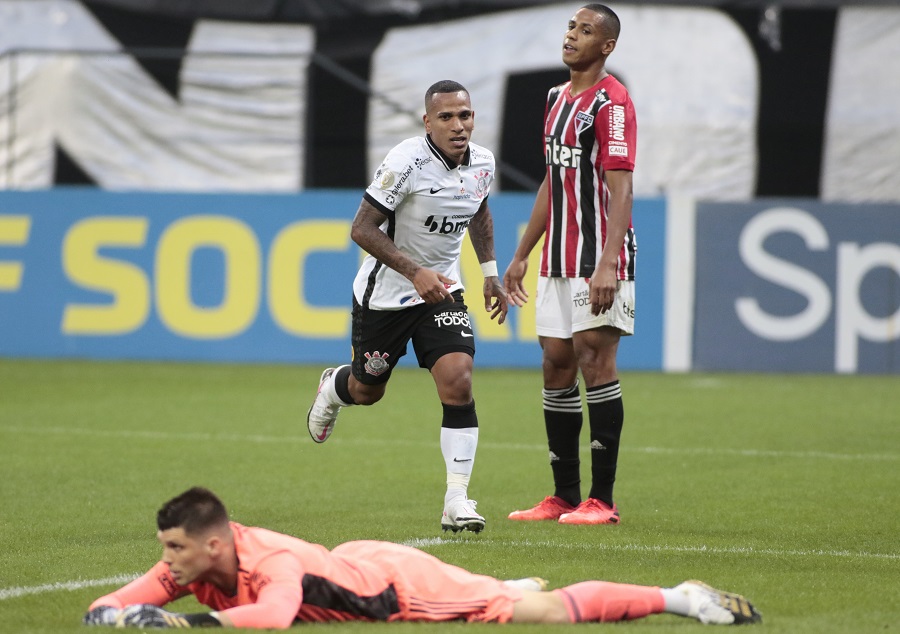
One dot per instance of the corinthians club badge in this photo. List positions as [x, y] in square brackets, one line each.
[376, 363]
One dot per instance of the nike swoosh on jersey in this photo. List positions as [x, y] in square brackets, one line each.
[466, 334]
[435, 190]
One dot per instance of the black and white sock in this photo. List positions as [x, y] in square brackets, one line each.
[605, 415]
[459, 442]
[563, 420]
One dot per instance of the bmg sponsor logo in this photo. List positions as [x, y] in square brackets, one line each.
[445, 225]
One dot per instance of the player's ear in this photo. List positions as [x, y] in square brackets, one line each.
[214, 545]
[427, 123]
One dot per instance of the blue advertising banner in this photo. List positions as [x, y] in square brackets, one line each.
[788, 285]
[257, 278]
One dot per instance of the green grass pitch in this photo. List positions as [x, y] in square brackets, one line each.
[783, 487]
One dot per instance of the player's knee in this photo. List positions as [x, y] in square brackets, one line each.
[558, 375]
[367, 394]
[453, 377]
[460, 385]
[597, 361]
[456, 393]
[367, 400]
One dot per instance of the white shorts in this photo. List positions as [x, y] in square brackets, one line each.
[563, 306]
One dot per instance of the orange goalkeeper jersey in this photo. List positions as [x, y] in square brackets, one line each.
[282, 579]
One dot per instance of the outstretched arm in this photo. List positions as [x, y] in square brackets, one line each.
[155, 587]
[481, 231]
[280, 594]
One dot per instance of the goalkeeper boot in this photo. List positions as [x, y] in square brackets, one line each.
[322, 414]
[709, 605]
[459, 514]
[550, 508]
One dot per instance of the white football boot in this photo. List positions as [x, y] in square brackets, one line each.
[459, 514]
[716, 607]
[322, 415]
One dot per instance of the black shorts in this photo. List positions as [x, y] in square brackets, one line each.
[379, 337]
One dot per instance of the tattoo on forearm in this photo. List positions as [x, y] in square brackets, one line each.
[481, 231]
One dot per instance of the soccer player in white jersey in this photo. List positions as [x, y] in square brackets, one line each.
[427, 193]
[585, 293]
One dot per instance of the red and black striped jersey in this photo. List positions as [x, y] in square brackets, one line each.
[584, 136]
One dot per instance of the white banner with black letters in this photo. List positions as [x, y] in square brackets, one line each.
[239, 117]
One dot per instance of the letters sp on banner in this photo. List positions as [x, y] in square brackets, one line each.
[806, 286]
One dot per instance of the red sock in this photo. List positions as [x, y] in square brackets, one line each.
[606, 601]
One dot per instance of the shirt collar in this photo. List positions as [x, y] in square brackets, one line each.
[446, 160]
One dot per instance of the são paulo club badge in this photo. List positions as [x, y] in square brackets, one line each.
[376, 363]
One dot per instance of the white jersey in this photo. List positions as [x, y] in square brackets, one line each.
[429, 203]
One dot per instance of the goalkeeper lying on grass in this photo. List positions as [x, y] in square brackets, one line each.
[253, 577]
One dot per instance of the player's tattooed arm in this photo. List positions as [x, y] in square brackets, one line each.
[481, 231]
[365, 231]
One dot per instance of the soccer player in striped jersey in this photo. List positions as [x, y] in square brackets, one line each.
[585, 293]
[256, 578]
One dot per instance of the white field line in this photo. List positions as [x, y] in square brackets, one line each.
[24, 591]
[303, 439]
[12, 593]
[662, 548]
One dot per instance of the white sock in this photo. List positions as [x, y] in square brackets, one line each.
[458, 447]
[677, 602]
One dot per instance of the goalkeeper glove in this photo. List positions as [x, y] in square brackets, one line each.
[101, 615]
[147, 615]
